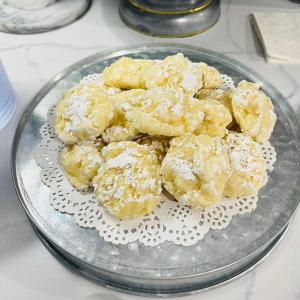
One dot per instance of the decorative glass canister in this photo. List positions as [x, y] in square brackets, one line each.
[170, 18]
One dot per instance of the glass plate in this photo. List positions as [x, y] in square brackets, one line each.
[167, 268]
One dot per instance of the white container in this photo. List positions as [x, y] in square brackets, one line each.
[7, 98]
[29, 4]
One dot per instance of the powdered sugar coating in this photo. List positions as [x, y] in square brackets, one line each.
[97, 79]
[120, 130]
[248, 166]
[83, 114]
[81, 162]
[160, 111]
[158, 145]
[126, 73]
[253, 111]
[128, 183]
[176, 72]
[196, 169]
[161, 104]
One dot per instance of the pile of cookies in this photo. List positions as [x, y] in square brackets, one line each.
[166, 123]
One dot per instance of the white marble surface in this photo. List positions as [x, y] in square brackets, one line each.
[27, 270]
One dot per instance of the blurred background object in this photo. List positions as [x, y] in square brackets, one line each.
[35, 16]
[29, 4]
[165, 18]
[7, 98]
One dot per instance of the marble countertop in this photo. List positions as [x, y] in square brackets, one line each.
[27, 270]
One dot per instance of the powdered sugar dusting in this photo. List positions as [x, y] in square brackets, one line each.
[177, 109]
[240, 98]
[244, 153]
[90, 214]
[125, 158]
[189, 81]
[97, 79]
[181, 167]
[76, 111]
[94, 160]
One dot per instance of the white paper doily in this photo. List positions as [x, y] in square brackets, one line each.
[170, 221]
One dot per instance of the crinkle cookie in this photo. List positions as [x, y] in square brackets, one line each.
[98, 81]
[120, 130]
[211, 77]
[195, 170]
[159, 145]
[223, 96]
[248, 166]
[253, 111]
[176, 72]
[161, 111]
[126, 73]
[216, 118]
[128, 184]
[83, 114]
[81, 162]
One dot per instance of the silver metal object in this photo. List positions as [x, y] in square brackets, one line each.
[152, 270]
[170, 18]
[74, 266]
[171, 7]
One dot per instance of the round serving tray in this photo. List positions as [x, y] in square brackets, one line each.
[90, 274]
[166, 268]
